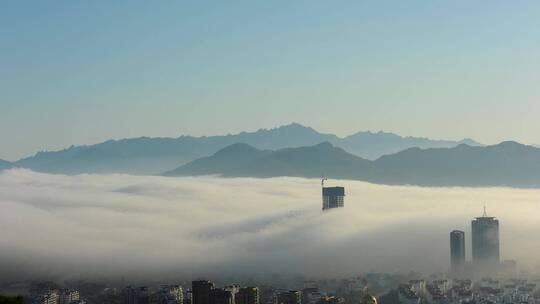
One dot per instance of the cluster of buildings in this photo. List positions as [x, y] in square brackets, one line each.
[485, 291]
[485, 262]
[58, 296]
[420, 291]
[412, 288]
[205, 292]
[201, 292]
[167, 294]
[485, 250]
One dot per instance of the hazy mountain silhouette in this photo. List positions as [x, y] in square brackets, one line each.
[244, 160]
[155, 155]
[373, 145]
[505, 164]
[5, 164]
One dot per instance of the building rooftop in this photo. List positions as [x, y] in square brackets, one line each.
[333, 191]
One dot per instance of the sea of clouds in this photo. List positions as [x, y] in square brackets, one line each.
[156, 227]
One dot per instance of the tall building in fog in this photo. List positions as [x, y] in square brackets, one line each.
[457, 252]
[233, 289]
[485, 243]
[188, 297]
[68, 296]
[201, 292]
[332, 196]
[247, 295]
[171, 294]
[221, 296]
[288, 297]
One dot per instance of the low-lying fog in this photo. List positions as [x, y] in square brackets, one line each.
[119, 225]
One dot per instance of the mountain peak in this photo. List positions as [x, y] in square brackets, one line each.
[140, 155]
[324, 145]
[470, 142]
[294, 127]
[237, 149]
[510, 144]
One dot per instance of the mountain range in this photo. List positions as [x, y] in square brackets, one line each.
[145, 155]
[506, 164]
[5, 165]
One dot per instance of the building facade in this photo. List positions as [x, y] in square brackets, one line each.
[50, 297]
[457, 252]
[333, 197]
[170, 294]
[288, 297]
[221, 296]
[68, 296]
[200, 291]
[247, 295]
[485, 243]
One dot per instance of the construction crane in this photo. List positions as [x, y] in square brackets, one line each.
[322, 181]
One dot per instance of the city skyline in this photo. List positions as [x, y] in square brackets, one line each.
[485, 249]
[370, 288]
[269, 152]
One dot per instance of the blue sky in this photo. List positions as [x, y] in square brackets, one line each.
[75, 72]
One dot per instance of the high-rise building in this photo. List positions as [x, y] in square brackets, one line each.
[68, 296]
[170, 294]
[288, 297]
[200, 291]
[188, 297]
[485, 243]
[221, 296]
[233, 289]
[247, 295]
[333, 197]
[50, 297]
[457, 252]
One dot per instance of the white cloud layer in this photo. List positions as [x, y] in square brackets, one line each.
[121, 225]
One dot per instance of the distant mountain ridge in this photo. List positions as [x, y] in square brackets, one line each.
[5, 164]
[243, 160]
[374, 145]
[145, 155]
[506, 164]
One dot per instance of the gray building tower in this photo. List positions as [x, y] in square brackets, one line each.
[201, 292]
[332, 196]
[485, 243]
[457, 252]
[247, 295]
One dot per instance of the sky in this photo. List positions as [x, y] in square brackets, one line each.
[163, 228]
[78, 72]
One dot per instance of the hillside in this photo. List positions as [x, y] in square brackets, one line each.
[506, 164]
